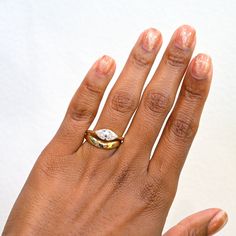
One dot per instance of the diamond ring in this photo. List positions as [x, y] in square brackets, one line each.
[103, 138]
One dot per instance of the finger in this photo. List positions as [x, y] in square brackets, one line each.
[124, 96]
[159, 95]
[182, 125]
[203, 223]
[83, 107]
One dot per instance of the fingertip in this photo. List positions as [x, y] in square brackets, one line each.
[218, 221]
[184, 37]
[104, 65]
[151, 39]
[201, 66]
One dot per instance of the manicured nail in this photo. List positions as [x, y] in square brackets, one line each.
[201, 66]
[150, 39]
[218, 222]
[104, 64]
[184, 37]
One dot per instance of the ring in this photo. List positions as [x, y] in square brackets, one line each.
[103, 138]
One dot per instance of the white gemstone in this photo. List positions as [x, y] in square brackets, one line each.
[106, 134]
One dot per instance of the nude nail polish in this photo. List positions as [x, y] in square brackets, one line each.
[184, 37]
[104, 64]
[150, 39]
[201, 66]
[218, 222]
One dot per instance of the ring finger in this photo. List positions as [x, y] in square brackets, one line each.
[124, 96]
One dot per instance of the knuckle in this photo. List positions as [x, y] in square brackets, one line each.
[157, 102]
[183, 128]
[176, 58]
[84, 107]
[186, 229]
[154, 195]
[140, 61]
[93, 89]
[121, 178]
[50, 166]
[192, 94]
[78, 113]
[94, 170]
[123, 102]
[150, 194]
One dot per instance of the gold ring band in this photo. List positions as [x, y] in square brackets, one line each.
[103, 138]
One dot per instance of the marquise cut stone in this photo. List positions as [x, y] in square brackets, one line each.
[106, 134]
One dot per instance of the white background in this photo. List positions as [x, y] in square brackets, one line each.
[47, 46]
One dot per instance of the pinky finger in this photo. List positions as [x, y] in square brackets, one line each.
[207, 222]
[83, 108]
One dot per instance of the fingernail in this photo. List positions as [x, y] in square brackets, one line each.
[150, 39]
[184, 37]
[201, 66]
[104, 64]
[218, 222]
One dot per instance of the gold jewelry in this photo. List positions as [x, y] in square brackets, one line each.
[103, 138]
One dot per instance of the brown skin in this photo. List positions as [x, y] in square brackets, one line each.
[78, 189]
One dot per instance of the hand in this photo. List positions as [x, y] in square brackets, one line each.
[78, 189]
